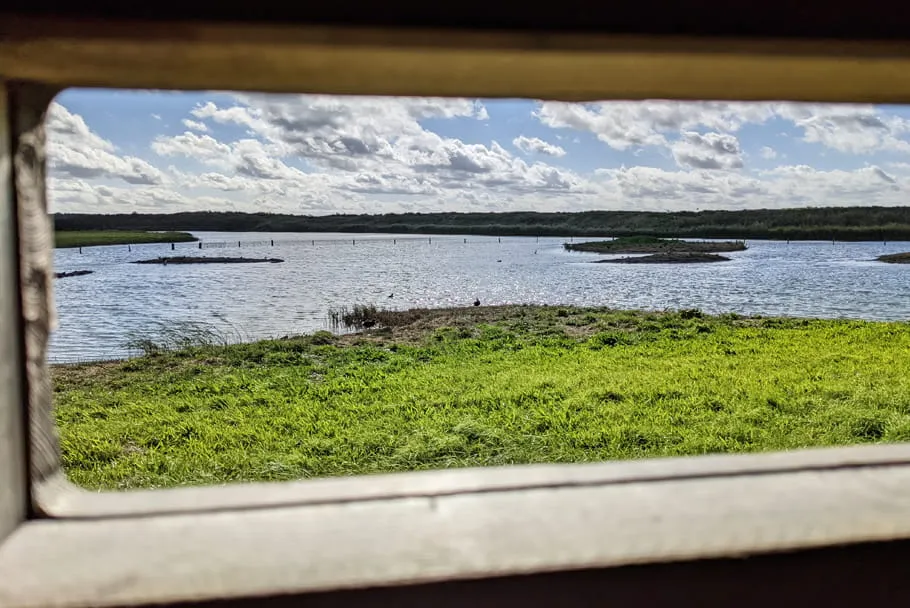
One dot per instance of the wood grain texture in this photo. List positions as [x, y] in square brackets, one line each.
[446, 63]
[13, 467]
[29, 104]
[406, 541]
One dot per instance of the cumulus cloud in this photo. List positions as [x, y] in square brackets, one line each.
[708, 151]
[854, 129]
[195, 125]
[848, 128]
[321, 154]
[75, 151]
[534, 145]
[627, 124]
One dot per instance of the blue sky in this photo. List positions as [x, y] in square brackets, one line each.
[149, 151]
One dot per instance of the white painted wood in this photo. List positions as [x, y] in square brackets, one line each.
[13, 478]
[58, 498]
[251, 552]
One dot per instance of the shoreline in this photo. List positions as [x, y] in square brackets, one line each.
[72, 239]
[467, 387]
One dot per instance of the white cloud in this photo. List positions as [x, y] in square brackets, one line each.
[709, 151]
[628, 124]
[195, 125]
[319, 155]
[74, 151]
[534, 145]
[854, 129]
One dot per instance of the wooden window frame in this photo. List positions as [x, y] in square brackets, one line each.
[541, 535]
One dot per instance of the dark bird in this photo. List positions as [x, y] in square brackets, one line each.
[476, 302]
[368, 323]
[391, 295]
[498, 260]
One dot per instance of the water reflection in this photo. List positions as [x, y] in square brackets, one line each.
[99, 312]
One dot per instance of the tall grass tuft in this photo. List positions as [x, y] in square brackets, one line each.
[169, 337]
[358, 317]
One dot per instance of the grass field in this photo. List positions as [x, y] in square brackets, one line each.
[89, 238]
[483, 386]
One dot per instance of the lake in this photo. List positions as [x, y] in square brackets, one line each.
[100, 313]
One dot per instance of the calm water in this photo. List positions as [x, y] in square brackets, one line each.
[99, 313]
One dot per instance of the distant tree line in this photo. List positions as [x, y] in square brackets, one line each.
[815, 223]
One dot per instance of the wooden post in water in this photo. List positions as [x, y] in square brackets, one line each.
[313, 242]
[394, 241]
[273, 242]
[353, 241]
[172, 246]
[238, 244]
[499, 238]
[80, 250]
[128, 248]
[466, 240]
[430, 240]
[200, 244]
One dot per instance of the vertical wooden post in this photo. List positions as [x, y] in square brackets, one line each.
[172, 246]
[200, 244]
[273, 242]
[80, 250]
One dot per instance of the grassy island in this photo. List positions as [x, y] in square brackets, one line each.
[90, 238]
[648, 244]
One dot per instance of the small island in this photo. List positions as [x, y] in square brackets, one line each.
[75, 273]
[202, 260]
[650, 244]
[895, 258]
[668, 258]
[92, 238]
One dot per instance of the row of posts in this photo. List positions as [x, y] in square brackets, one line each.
[313, 242]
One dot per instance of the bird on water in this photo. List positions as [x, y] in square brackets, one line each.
[476, 302]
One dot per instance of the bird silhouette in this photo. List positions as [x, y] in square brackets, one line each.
[391, 295]
[477, 302]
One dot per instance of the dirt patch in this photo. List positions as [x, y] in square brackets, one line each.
[895, 258]
[668, 258]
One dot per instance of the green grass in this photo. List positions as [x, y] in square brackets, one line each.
[484, 386]
[89, 238]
